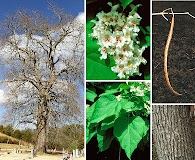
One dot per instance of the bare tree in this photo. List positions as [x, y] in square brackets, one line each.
[68, 137]
[43, 62]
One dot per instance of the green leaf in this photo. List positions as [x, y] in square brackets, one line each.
[147, 77]
[110, 89]
[129, 131]
[134, 8]
[90, 133]
[148, 29]
[90, 95]
[97, 69]
[145, 31]
[128, 105]
[89, 111]
[104, 139]
[125, 3]
[105, 106]
[108, 122]
[91, 44]
[147, 38]
[109, 86]
[124, 86]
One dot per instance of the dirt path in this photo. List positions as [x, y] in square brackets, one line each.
[13, 156]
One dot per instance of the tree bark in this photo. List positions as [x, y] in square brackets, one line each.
[42, 117]
[172, 132]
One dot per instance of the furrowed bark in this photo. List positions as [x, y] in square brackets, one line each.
[172, 132]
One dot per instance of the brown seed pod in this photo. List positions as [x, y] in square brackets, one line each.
[166, 56]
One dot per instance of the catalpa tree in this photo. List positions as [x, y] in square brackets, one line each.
[42, 58]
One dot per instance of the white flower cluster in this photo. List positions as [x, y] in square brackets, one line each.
[147, 106]
[118, 36]
[140, 91]
[137, 90]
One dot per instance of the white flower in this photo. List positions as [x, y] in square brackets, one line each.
[104, 52]
[120, 70]
[102, 16]
[133, 20]
[129, 33]
[132, 88]
[118, 97]
[116, 19]
[117, 36]
[119, 39]
[127, 50]
[139, 91]
[120, 58]
[147, 106]
[106, 39]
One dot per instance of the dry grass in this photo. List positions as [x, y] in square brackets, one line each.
[5, 146]
[12, 156]
[11, 139]
[6, 151]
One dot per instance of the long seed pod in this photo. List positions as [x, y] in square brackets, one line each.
[166, 56]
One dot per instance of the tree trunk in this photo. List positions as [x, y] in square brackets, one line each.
[172, 132]
[41, 141]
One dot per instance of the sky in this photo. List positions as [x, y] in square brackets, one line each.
[69, 6]
[75, 7]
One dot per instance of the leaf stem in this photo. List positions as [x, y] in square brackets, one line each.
[119, 154]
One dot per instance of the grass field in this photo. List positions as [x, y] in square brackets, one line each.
[13, 140]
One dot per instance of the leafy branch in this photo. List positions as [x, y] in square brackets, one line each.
[118, 111]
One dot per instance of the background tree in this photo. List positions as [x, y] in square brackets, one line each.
[27, 135]
[68, 137]
[8, 130]
[43, 62]
[172, 132]
[1, 128]
[73, 135]
[17, 134]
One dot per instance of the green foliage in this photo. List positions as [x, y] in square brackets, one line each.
[99, 69]
[17, 134]
[146, 32]
[147, 77]
[1, 128]
[8, 130]
[120, 112]
[27, 135]
[68, 136]
[129, 132]
[90, 95]
[125, 3]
